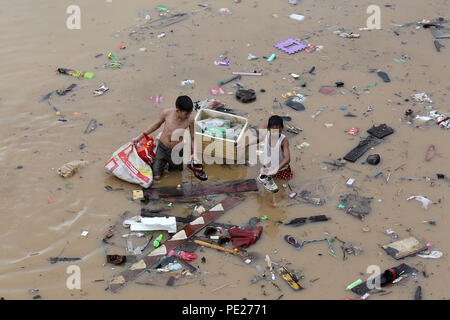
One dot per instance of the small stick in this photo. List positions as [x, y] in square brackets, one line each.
[248, 73]
[221, 287]
[209, 245]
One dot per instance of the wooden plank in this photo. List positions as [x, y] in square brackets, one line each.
[177, 239]
[201, 189]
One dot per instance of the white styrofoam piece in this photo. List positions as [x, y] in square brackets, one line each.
[157, 223]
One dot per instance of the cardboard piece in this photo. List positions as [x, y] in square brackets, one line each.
[406, 247]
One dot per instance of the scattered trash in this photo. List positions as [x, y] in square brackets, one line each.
[327, 90]
[126, 164]
[84, 233]
[245, 96]
[151, 224]
[115, 259]
[222, 63]
[438, 46]
[418, 293]
[65, 259]
[187, 256]
[138, 194]
[70, 168]
[115, 64]
[224, 82]
[317, 113]
[383, 75]
[290, 279]
[440, 33]
[425, 201]
[92, 125]
[290, 46]
[431, 153]
[349, 35]
[297, 17]
[170, 267]
[433, 255]
[217, 91]
[373, 159]
[65, 91]
[295, 103]
[380, 131]
[157, 241]
[248, 73]
[187, 83]
[354, 284]
[176, 18]
[243, 255]
[301, 221]
[355, 205]
[421, 97]
[244, 238]
[392, 233]
[361, 148]
[76, 74]
[404, 248]
[441, 119]
[101, 90]
[272, 57]
[350, 182]
[353, 131]
[224, 11]
[410, 179]
[387, 277]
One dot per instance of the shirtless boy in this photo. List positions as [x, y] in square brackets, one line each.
[178, 118]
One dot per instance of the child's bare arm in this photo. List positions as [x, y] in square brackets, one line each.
[286, 160]
[193, 144]
[286, 152]
[153, 127]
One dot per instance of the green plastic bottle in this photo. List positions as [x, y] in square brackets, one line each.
[157, 242]
[216, 131]
[75, 73]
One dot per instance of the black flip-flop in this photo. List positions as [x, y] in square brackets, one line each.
[291, 240]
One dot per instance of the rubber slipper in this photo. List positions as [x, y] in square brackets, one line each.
[201, 175]
[383, 75]
[101, 90]
[197, 169]
[291, 240]
[195, 166]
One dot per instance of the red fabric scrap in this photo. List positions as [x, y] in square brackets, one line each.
[242, 239]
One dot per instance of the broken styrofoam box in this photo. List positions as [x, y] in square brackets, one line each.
[157, 223]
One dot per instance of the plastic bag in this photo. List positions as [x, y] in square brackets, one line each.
[425, 201]
[70, 168]
[187, 256]
[146, 149]
[126, 164]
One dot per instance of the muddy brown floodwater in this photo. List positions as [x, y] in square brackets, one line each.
[43, 215]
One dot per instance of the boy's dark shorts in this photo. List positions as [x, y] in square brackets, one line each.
[163, 156]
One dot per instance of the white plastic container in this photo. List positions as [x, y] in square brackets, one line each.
[297, 17]
[226, 148]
